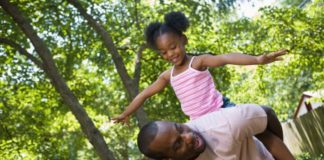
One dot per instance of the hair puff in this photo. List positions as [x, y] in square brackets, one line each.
[150, 31]
[177, 20]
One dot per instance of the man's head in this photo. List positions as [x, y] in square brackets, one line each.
[163, 140]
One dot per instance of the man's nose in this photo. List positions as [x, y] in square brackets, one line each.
[187, 137]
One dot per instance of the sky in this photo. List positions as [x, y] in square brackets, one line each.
[249, 8]
[245, 8]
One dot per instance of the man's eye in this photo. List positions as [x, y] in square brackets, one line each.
[178, 144]
[180, 129]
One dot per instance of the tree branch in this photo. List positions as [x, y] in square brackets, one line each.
[136, 15]
[69, 98]
[128, 82]
[137, 71]
[108, 42]
[22, 51]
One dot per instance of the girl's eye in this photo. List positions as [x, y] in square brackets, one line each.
[173, 47]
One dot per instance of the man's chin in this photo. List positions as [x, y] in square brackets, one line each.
[194, 157]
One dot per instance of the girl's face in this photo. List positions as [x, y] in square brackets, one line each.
[172, 48]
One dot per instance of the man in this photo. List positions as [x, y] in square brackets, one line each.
[225, 134]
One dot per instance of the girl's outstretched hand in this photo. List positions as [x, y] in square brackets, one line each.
[121, 119]
[271, 57]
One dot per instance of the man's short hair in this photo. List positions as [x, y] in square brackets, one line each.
[144, 139]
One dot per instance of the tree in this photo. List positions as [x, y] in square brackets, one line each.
[51, 71]
[52, 18]
[131, 84]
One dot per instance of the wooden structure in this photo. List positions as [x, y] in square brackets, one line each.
[305, 132]
[305, 105]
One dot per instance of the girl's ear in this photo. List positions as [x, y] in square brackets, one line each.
[184, 39]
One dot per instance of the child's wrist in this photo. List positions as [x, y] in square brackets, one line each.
[124, 115]
[259, 59]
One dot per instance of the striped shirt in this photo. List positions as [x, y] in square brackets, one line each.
[196, 92]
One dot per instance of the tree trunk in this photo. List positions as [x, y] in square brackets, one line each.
[131, 85]
[87, 126]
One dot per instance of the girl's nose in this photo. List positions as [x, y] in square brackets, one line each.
[170, 53]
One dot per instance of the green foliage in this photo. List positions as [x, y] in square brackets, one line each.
[35, 124]
[280, 84]
[307, 156]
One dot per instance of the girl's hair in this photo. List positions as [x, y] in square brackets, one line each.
[175, 22]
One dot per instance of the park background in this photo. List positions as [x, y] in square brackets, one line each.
[68, 66]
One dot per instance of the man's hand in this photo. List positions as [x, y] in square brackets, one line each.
[271, 57]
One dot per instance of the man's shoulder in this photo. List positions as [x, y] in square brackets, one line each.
[207, 154]
[211, 121]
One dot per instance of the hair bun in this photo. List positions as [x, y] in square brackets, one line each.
[177, 20]
[150, 31]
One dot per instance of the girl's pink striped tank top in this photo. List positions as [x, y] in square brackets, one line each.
[196, 92]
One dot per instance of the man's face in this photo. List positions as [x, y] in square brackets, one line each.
[177, 141]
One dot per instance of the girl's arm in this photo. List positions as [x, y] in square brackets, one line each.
[239, 59]
[154, 88]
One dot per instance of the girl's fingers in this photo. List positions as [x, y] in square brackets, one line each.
[279, 59]
[282, 52]
[277, 53]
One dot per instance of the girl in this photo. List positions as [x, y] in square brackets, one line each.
[189, 77]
